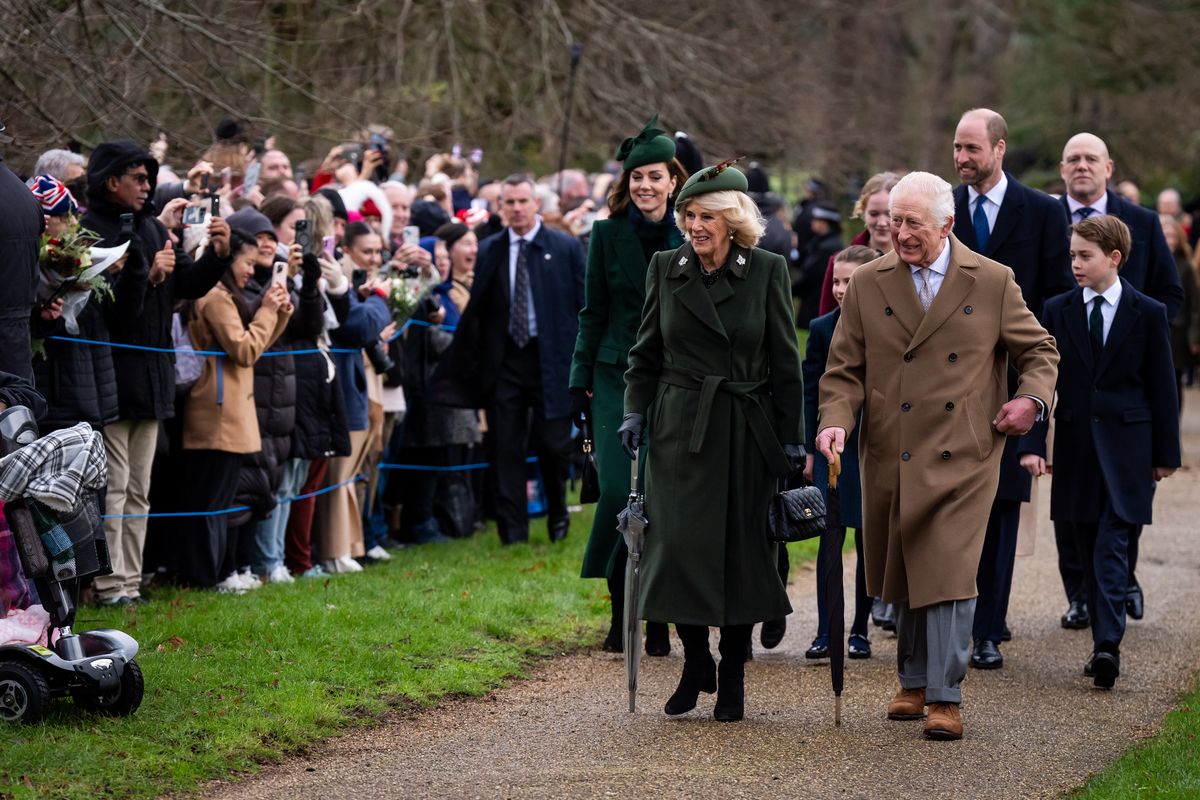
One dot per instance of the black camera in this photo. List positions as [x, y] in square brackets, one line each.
[380, 360]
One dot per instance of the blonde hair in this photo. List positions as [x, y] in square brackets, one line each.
[879, 182]
[740, 213]
[319, 213]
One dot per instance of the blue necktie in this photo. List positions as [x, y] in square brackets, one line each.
[1085, 212]
[980, 220]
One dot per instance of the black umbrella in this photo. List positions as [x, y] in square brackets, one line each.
[632, 524]
[831, 555]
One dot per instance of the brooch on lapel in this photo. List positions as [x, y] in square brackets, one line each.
[682, 260]
[741, 260]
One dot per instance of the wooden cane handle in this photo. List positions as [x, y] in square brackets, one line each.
[835, 468]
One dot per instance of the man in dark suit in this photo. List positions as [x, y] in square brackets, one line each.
[512, 356]
[1117, 418]
[1024, 230]
[1086, 170]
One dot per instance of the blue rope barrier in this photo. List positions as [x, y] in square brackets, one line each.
[453, 468]
[234, 509]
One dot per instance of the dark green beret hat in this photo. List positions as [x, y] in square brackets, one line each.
[651, 146]
[718, 178]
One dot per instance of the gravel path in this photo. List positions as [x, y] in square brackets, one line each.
[1033, 729]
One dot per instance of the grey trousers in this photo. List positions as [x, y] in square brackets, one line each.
[932, 647]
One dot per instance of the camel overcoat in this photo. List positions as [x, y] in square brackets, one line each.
[929, 385]
[718, 371]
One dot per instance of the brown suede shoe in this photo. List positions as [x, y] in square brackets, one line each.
[907, 704]
[944, 722]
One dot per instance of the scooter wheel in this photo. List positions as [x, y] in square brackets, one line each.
[121, 701]
[24, 693]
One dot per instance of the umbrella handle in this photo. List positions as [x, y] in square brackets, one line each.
[835, 468]
[633, 475]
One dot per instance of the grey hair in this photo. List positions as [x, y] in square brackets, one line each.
[929, 186]
[55, 163]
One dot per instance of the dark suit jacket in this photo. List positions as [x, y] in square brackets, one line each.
[1029, 239]
[1117, 418]
[469, 369]
[1151, 267]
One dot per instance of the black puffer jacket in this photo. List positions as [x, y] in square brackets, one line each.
[276, 392]
[77, 380]
[21, 225]
[322, 429]
[145, 379]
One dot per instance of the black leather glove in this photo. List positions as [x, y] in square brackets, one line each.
[632, 434]
[310, 267]
[581, 406]
[795, 456]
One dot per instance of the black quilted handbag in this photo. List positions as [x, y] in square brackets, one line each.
[589, 478]
[796, 514]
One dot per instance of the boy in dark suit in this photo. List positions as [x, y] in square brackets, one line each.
[1117, 424]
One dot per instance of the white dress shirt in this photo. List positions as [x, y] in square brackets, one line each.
[513, 246]
[1100, 207]
[995, 196]
[1108, 309]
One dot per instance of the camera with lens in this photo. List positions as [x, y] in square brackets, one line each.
[380, 360]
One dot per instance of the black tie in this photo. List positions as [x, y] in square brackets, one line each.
[518, 315]
[1085, 212]
[1096, 325]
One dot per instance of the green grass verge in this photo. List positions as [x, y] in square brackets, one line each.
[1164, 767]
[236, 681]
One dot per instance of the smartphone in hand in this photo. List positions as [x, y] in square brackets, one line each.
[303, 237]
[279, 273]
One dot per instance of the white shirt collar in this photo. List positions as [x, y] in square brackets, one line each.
[941, 264]
[513, 236]
[1111, 295]
[1100, 206]
[995, 194]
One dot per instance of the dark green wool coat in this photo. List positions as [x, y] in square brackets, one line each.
[615, 293]
[718, 370]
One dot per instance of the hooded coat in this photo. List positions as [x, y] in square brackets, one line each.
[928, 385]
[145, 378]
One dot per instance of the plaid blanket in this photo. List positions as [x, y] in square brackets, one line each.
[56, 468]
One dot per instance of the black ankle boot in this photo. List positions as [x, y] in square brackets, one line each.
[699, 675]
[658, 639]
[615, 641]
[731, 674]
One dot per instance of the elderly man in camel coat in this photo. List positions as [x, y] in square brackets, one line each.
[922, 350]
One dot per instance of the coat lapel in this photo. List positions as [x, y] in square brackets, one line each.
[628, 251]
[1009, 214]
[1123, 322]
[955, 287]
[1075, 320]
[899, 293]
[691, 293]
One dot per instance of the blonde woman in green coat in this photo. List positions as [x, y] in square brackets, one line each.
[620, 247]
[714, 379]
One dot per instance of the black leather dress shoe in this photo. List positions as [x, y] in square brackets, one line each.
[1005, 633]
[818, 649]
[559, 528]
[1135, 604]
[986, 655]
[772, 632]
[1077, 617]
[1106, 667]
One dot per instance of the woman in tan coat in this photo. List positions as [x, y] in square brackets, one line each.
[220, 423]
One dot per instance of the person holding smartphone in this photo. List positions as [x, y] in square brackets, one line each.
[121, 180]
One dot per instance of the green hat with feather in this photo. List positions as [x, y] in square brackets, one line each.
[717, 178]
[651, 146]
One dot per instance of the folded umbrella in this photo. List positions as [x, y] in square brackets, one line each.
[831, 583]
[632, 524]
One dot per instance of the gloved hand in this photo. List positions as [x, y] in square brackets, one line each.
[581, 406]
[795, 456]
[632, 434]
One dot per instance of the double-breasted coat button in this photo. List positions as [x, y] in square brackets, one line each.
[945, 455]
[953, 357]
[904, 456]
[905, 407]
[949, 406]
[907, 357]
[968, 310]
[888, 310]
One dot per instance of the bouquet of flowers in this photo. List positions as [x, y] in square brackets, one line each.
[68, 255]
[406, 290]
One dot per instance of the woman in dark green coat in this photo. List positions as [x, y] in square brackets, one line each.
[619, 249]
[716, 371]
